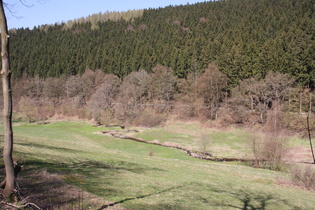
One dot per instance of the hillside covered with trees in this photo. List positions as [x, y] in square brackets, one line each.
[243, 38]
[242, 62]
[216, 64]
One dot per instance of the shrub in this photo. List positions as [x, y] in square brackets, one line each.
[105, 117]
[269, 151]
[148, 119]
[45, 112]
[84, 113]
[28, 108]
[304, 177]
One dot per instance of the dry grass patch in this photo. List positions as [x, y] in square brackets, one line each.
[298, 155]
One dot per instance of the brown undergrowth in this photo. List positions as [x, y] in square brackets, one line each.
[49, 191]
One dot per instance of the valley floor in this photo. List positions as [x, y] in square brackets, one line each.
[72, 165]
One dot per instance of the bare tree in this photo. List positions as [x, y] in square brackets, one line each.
[211, 87]
[275, 93]
[88, 82]
[102, 100]
[264, 97]
[9, 184]
[133, 95]
[162, 83]
[54, 89]
[188, 96]
[161, 88]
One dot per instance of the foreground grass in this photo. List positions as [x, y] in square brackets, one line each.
[122, 171]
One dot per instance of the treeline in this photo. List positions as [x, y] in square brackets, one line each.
[148, 98]
[95, 19]
[244, 38]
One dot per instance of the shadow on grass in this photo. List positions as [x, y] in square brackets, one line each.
[142, 196]
[44, 182]
[40, 146]
[188, 196]
[248, 199]
[98, 177]
[94, 176]
[49, 191]
[251, 200]
[46, 190]
[88, 167]
[56, 185]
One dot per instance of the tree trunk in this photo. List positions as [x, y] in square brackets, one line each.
[310, 137]
[310, 105]
[9, 183]
[289, 106]
[251, 104]
[301, 102]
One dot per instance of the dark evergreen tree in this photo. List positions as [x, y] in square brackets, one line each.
[243, 37]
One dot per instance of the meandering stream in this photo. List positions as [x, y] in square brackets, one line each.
[195, 154]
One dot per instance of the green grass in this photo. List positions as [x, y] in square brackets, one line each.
[233, 143]
[122, 170]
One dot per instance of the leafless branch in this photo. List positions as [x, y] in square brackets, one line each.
[9, 7]
[20, 206]
[25, 4]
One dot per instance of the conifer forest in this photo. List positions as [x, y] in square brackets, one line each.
[239, 54]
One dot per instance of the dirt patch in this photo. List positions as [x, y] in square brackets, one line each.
[49, 191]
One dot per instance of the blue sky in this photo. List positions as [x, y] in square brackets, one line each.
[39, 12]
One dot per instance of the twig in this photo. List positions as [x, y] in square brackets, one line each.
[21, 206]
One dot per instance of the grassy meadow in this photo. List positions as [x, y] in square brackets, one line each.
[135, 175]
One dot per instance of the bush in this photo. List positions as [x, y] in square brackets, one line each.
[148, 119]
[269, 151]
[104, 117]
[84, 113]
[45, 112]
[28, 108]
[304, 177]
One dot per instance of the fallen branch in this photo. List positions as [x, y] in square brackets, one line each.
[31, 205]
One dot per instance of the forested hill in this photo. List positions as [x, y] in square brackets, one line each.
[243, 37]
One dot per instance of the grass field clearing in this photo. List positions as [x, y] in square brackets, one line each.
[118, 170]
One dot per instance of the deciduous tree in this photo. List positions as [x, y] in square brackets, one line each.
[9, 184]
[133, 95]
[102, 100]
[260, 96]
[212, 87]
[162, 83]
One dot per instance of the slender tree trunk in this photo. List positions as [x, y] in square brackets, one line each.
[251, 104]
[9, 184]
[289, 107]
[301, 102]
[276, 113]
[310, 137]
[310, 105]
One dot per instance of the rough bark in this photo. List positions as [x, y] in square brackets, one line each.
[10, 184]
